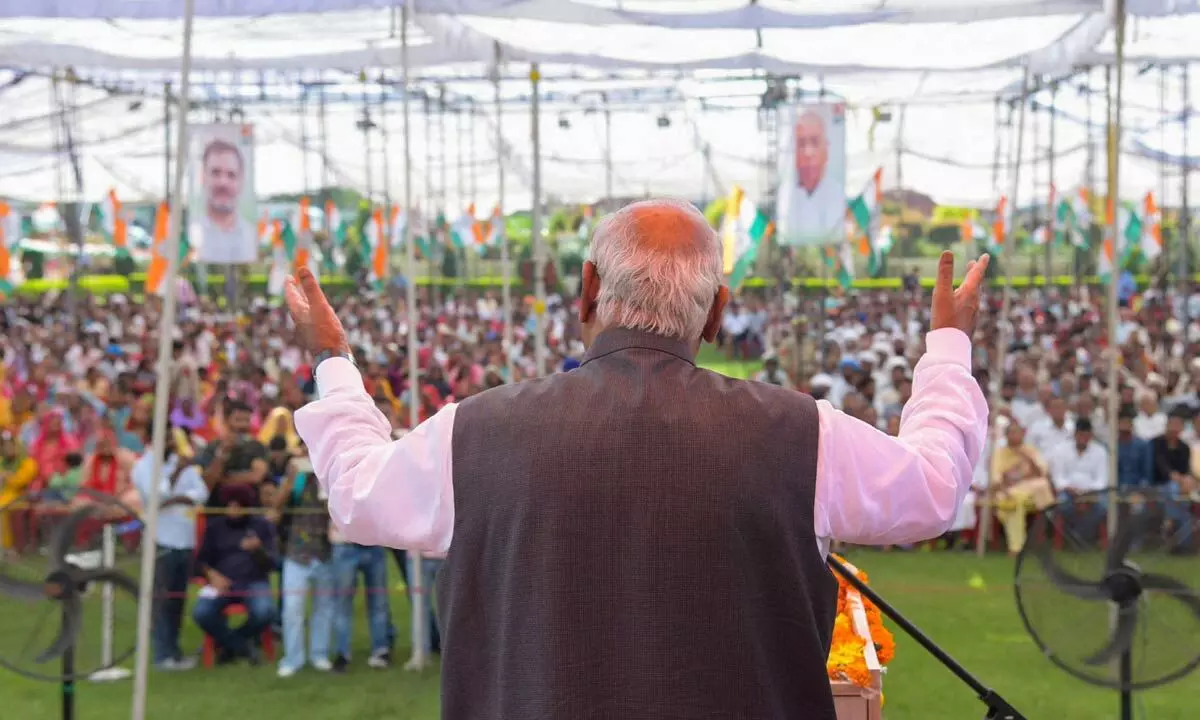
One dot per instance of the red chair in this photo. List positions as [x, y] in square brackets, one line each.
[209, 653]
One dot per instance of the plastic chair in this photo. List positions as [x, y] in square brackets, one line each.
[209, 653]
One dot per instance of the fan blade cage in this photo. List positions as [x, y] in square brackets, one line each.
[1065, 579]
[33, 615]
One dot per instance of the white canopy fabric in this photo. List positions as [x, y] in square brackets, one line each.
[936, 64]
[693, 14]
[369, 37]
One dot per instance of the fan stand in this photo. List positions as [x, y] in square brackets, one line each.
[997, 707]
[68, 683]
[1126, 675]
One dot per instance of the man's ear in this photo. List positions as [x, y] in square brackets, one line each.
[588, 292]
[713, 325]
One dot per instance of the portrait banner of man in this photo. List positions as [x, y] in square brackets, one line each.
[222, 208]
[811, 204]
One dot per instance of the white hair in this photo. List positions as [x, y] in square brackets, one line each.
[665, 288]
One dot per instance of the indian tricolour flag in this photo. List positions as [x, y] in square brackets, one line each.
[865, 207]
[376, 231]
[999, 226]
[462, 232]
[397, 226]
[10, 242]
[742, 231]
[839, 258]
[489, 233]
[1151, 237]
[1046, 233]
[116, 226]
[881, 245]
[302, 254]
[280, 236]
[336, 257]
[157, 270]
[1107, 262]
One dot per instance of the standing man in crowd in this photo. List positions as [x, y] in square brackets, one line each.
[181, 492]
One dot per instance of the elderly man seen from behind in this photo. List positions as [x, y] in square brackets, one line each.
[641, 537]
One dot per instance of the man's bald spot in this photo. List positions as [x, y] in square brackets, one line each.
[661, 225]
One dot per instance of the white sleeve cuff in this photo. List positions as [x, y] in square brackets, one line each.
[337, 375]
[949, 346]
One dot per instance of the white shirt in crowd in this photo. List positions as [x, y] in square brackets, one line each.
[1073, 470]
[1148, 427]
[1046, 436]
[176, 523]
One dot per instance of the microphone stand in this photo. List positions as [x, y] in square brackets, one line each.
[997, 707]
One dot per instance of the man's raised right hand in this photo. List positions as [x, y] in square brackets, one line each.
[957, 308]
[318, 326]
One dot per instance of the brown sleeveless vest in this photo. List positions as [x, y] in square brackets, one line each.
[634, 540]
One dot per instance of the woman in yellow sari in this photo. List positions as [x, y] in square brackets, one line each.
[17, 473]
[279, 423]
[1020, 484]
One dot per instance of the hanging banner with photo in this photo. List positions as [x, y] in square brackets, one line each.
[222, 209]
[811, 202]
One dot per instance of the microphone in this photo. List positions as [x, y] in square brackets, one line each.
[997, 707]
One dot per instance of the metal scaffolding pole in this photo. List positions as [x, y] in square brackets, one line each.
[166, 335]
[420, 617]
[539, 242]
[1002, 334]
[505, 260]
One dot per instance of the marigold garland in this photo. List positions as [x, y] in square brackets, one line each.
[846, 653]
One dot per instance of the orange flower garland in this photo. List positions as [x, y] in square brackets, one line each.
[846, 653]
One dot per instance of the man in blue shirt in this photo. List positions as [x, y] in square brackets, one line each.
[1135, 459]
[236, 557]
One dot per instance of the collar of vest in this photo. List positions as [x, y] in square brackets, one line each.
[617, 339]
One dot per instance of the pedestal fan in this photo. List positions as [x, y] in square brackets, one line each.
[62, 577]
[1115, 607]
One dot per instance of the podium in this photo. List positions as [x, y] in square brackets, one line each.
[862, 697]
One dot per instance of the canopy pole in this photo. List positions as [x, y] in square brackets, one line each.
[420, 617]
[385, 142]
[1002, 334]
[166, 336]
[1091, 177]
[1114, 189]
[1185, 221]
[505, 260]
[323, 139]
[539, 243]
[431, 231]
[1054, 194]
[608, 157]
[473, 167]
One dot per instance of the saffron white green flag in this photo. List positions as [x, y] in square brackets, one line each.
[462, 232]
[742, 232]
[880, 247]
[398, 226]
[840, 260]
[10, 243]
[1151, 239]
[865, 207]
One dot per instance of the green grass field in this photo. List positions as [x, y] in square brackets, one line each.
[979, 626]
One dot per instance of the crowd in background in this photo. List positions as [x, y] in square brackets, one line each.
[239, 505]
